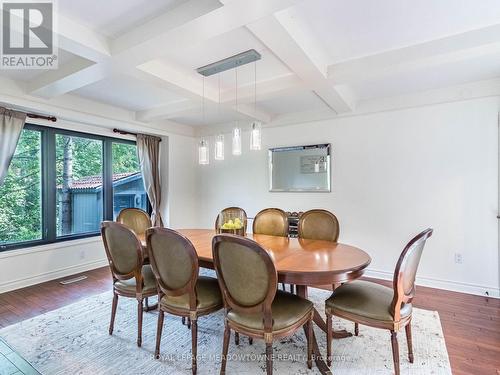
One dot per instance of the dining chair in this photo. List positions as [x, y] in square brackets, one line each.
[131, 278]
[181, 291]
[271, 221]
[318, 225]
[253, 305]
[135, 219]
[375, 305]
[232, 212]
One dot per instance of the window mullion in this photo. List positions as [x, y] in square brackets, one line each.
[49, 185]
[108, 179]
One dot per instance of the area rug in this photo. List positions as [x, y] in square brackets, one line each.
[74, 340]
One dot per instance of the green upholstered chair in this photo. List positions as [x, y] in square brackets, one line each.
[135, 219]
[319, 225]
[248, 280]
[271, 221]
[181, 292]
[374, 305]
[131, 278]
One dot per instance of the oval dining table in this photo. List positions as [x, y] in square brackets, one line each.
[298, 261]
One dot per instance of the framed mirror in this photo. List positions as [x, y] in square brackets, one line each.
[300, 168]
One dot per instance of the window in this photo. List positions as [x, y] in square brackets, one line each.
[79, 180]
[128, 187]
[61, 185]
[21, 193]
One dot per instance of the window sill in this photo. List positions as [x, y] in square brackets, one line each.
[31, 249]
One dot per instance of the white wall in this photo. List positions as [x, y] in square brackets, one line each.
[393, 174]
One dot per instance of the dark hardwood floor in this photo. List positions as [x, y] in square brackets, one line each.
[471, 324]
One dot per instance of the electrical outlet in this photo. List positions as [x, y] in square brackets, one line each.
[458, 258]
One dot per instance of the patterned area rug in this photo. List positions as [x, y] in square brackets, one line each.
[74, 340]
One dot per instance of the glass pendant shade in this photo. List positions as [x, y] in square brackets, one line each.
[203, 152]
[256, 136]
[219, 147]
[236, 141]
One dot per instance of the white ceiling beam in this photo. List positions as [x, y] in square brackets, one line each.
[295, 47]
[253, 112]
[146, 45]
[82, 41]
[447, 50]
[170, 110]
[271, 88]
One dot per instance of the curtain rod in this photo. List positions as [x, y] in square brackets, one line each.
[124, 132]
[36, 115]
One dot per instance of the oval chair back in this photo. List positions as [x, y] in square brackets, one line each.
[135, 219]
[123, 250]
[272, 222]
[232, 211]
[406, 270]
[319, 225]
[246, 274]
[174, 262]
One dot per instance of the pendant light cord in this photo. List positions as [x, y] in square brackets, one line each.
[203, 101]
[255, 88]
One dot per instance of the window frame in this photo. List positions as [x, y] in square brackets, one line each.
[48, 184]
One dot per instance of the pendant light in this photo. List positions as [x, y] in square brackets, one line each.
[203, 147]
[236, 130]
[256, 127]
[219, 147]
[219, 139]
[203, 152]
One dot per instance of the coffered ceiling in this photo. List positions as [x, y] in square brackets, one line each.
[319, 56]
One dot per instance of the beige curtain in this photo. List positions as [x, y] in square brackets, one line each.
[148, 149]
[11, 126]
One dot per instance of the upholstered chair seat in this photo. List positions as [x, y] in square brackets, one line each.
[149, 282]
[207, 293]
[363, 299]
[288, 309]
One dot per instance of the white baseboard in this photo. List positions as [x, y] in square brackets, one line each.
[51, 275]
[454, 286]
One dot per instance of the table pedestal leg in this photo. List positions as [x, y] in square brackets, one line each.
[318, 319]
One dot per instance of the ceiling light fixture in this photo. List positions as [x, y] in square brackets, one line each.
[217, 67]
[219, 140]
[256, 130]
[236, 130]
[203, 147]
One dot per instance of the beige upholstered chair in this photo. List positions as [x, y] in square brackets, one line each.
[131, 278]
[181, 292]
[232, 211]
[271, 221]
[319, 225]
[248, 280]
[378, 306]
[135, 219]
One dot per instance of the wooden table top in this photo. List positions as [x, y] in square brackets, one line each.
[298, 261]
